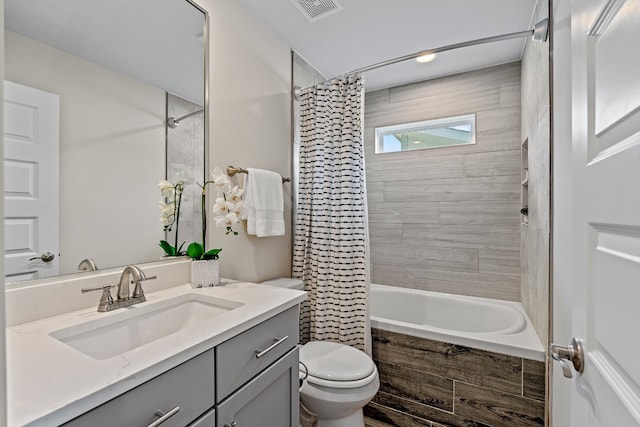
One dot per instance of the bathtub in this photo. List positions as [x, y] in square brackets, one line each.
[482, 323]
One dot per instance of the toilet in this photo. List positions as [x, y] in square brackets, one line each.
[338, 380]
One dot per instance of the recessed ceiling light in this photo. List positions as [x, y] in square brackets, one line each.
[426, 58]
[417, 142]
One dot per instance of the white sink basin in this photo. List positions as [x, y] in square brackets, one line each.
[137, 325]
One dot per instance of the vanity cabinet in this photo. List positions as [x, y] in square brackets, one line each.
[250, 380]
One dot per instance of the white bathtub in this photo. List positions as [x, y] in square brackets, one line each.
[486, 324]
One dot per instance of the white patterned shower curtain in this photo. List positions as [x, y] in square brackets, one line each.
[331, 245]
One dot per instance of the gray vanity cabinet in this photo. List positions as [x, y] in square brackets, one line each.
[268, 400]
[250, 380]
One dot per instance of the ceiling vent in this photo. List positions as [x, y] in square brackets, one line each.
[317, 9]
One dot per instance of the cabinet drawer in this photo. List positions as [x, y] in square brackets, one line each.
[237, 359]
[189, 386]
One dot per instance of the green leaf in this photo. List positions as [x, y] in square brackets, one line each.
[179, 251]
[168, 249]
[195, 251]
[211, 254]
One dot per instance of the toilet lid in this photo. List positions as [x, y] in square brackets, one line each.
[335, 362]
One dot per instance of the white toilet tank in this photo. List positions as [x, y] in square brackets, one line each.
[285, 283]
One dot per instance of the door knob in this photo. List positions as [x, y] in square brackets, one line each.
[573, 353]
[45, 257]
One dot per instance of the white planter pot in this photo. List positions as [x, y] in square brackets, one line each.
[205, 273]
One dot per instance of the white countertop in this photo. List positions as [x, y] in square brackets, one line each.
[49, 382]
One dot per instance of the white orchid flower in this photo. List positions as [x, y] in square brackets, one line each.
[166, 188]
[231, 218]
[235, 194]
[220, 220]
[241, 210]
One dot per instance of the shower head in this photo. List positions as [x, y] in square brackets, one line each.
[173, 123]
[540, 31]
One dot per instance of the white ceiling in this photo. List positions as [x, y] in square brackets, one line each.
[370, 31]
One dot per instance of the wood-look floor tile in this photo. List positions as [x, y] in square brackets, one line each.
[497, 409]
[416, 385]
[533, 375]
[493, 370]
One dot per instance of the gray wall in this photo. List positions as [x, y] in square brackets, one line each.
[448, 219]
[536, 131]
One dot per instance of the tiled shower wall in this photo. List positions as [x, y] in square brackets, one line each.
[447, 219]
[536, 131]
[185, 153]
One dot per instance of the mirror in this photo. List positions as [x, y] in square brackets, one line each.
[118, 69]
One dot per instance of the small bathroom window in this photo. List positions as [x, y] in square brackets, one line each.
[438, 133]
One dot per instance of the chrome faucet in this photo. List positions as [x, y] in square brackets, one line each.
[87, 264]
[131, 274]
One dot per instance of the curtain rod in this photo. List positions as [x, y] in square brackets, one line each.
[539, 33]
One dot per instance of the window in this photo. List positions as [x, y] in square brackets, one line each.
[447, 132]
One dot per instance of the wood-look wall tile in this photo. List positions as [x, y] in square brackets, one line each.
[533, 379]
[375, 192]
[385, 403]
[492, 163]
[510, 95]
[380, 233]
[454, 189]
[375, 100]
[416, 385]
[502, 118]
[493, 370]
[391, 417]
[458, 83]
[498, 140]
[494, 212]
[500, 262]
[407, 213]
[454, 282]
[504, 237]
[497, 409]
[457, 259]
[417, 169]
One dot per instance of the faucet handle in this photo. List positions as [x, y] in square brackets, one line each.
[138, 292]
[106, 298]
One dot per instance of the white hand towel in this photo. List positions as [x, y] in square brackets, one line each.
[264, 202]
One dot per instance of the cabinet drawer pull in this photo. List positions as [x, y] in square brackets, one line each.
[164, 416]
[278, 341]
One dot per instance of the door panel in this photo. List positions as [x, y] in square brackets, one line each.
[31, 121]
[604, 211]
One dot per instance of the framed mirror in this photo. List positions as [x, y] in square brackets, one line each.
[98, 80]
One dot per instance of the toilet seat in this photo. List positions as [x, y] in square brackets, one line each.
[336, 365]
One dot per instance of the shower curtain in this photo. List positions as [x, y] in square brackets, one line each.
[331, 238]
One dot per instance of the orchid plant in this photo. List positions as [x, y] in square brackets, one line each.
[228, 210]
[170, 211]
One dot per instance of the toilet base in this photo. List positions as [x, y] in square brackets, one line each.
[354, 420]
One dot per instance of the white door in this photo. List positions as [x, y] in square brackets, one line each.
[31, 132]
[602, 291]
